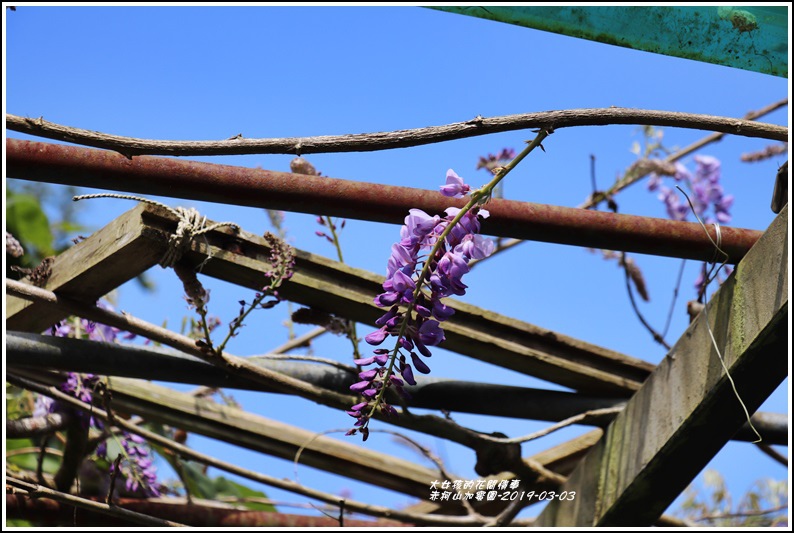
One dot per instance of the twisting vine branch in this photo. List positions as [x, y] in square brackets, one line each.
[285, 484]
[368, 142]
[630, 178]
[33, 490]
[430, 424]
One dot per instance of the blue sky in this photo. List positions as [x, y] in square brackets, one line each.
[202, 73]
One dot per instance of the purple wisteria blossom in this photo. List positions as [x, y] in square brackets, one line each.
[137, 468]
[705, 192]
[416, 282]
[710, 202]
[455, 188]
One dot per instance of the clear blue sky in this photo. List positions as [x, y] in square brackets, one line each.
[203, 73]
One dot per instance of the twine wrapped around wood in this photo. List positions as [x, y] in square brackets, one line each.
[191, 224]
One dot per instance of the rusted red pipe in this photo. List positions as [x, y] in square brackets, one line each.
[55, 163]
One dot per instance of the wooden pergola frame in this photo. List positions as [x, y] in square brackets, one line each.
[679, 413]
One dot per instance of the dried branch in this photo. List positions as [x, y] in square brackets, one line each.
[35, 426]
[770, 151]
[629, 179]
[744, 514]
[367, 142]
[771, 452]
[655, 334]
[291, 486]
[430, 424]
[298, 342]
[596, 417]
[37, 491]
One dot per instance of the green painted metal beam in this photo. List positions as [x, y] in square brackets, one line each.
[747, 37]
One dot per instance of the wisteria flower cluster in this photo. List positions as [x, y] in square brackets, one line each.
[706, 192]
[137, 468]
[425, 266]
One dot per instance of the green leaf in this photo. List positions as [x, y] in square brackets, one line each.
[29, 461]
[28, 223]
[229, 488]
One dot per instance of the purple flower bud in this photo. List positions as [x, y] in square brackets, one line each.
[370, 393]
[376, 337]
[406, 343]
[397, 381]
[408, 374]
[402, 282]
[455, 188]
[430, 333]
[442, 312]
[368, 375]
[387, 299]
[391, 313]
[360, 386]
[419, 364]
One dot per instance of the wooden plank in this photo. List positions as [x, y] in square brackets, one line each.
[241, 428]
[560, 459]
[90, 269]
[687, 409]
[136, 241]
[348, 292]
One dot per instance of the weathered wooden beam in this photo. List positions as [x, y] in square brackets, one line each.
[242, 258]
[348, 292]
[457, 396]
[687, 409]
[238, 427]
[90, 269]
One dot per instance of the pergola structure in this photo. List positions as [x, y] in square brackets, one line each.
[658, 425]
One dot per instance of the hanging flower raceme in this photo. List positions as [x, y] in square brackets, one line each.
[706, 192]
[425, 266]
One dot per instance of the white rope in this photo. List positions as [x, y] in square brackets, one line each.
[190, 225]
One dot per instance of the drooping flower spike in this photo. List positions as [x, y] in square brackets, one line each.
[425, 266]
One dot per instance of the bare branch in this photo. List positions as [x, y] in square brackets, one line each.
[771, 452]
[367, 142]
[184, 451]
[604, 416]
[431, 424]
[629, 179]
[38, 491]
[655, 334]
[36, 426]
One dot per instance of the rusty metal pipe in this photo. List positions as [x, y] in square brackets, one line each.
[55, 163]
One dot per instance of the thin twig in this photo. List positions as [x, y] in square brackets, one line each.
[34, 449]
[430, 424]
[744, 514]
[771, 452]
[184, 451]
[367, 142]
[36, 426]
[589, 416]
[675, 298]
[300, 341]
[708, 278]
[655, 334]
[505, 517]
[114, 474]
[38, 491]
